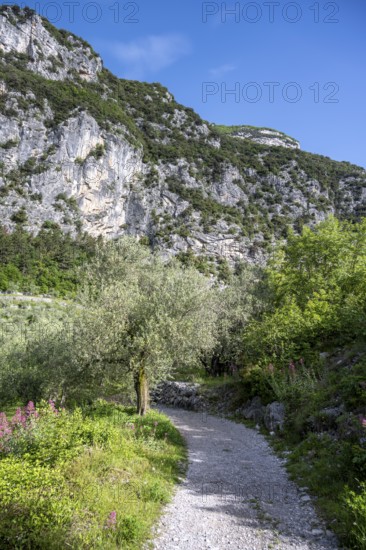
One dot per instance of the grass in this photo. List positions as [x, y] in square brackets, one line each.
[110, 493]
[135, 477]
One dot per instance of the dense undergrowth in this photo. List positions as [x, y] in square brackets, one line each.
[94, 477]
[46, 263]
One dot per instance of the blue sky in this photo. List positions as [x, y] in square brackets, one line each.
[298, 67]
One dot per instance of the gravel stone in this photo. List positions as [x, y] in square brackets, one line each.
[242, 499]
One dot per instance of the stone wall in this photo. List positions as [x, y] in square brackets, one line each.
[179, 394]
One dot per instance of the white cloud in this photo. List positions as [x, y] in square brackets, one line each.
[222, 69]
[149, 54]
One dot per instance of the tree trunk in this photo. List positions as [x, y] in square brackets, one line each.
[142, 392]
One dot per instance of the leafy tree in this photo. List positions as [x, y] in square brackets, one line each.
[242, 299]
[143, 317]
[318, 284]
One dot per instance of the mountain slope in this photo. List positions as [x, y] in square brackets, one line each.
[89, 151]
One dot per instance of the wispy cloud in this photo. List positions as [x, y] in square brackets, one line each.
[149, 54]
[222, 70]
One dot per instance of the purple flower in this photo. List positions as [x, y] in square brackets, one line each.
[19, 418]
[363, 421]
[52, 406]
[112, 520]
[292, 367]
[30, 408]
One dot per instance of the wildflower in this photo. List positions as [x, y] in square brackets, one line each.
[30, 409]
[52, 406]
[112, 520]
[292, 367]
[363, 421]
[19, 418]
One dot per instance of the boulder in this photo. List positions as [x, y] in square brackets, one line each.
[254, 410]
[274, 416]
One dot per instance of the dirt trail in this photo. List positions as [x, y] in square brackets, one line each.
[237, 494]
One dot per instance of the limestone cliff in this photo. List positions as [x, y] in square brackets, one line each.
[88, 151]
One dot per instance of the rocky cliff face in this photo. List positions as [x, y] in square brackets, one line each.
[85, 150]
[49, 53]
[264, 136]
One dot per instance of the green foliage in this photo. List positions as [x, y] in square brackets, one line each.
[355, 503]
[44, 263]
[159, 314]
[98, 151]
[254, 381]
[76, 498]
[136, 316]
[9, 144]
[35, 505]
[318, 286]
[20, 217]
[315, 302]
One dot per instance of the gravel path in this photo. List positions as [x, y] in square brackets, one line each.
[237, 494]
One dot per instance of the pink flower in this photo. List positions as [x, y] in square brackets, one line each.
[19, 418]
[52, 406]
[112, 520]
[292, 367]
[363, 421]
[30, 408]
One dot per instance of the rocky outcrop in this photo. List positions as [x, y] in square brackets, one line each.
[272, 415]
[253, 410]
[179, 394]
[55, 56]
[73, 184]
[264, 136]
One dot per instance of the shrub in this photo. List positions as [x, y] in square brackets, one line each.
[355, 505]
[35, 504]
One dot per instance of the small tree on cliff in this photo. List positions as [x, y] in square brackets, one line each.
[144, 317]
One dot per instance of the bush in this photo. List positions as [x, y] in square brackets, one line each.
[255, 382]
[66, 477]
[35, 505]
[355, 505]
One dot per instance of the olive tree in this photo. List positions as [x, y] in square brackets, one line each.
[242, 299]
[143, 316]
